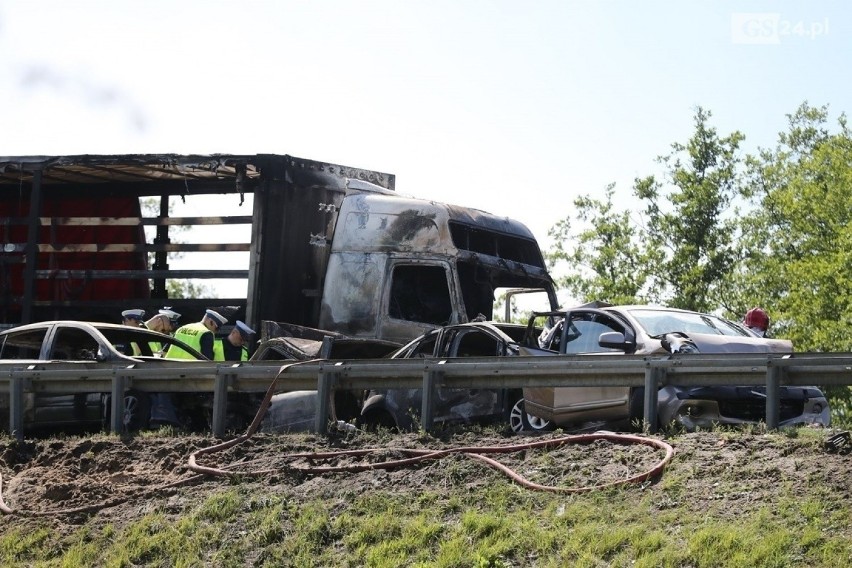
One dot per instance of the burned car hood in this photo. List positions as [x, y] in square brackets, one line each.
[707, 343]
[341, 348]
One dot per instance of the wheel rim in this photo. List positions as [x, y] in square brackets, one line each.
[537, 423]
[516, 417]
[131, 404]
[519, 420]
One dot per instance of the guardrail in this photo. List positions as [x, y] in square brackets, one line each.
[324, 376]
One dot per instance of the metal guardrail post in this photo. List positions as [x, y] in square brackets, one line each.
[116, 402]
[773, 395]
[16, 408]
[220, 404]
[427, 408]
[325, 389]
[653, 377]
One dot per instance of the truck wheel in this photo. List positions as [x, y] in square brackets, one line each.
[520, 421]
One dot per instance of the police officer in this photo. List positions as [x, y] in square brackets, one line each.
[166, 321]
[235, 347]
[133, 317]
[200, 335]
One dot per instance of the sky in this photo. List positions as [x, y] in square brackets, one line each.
[513, 107]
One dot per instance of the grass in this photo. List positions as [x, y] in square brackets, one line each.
[673, 523]
[383, 530]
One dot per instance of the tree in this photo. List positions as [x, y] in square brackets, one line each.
[605, 260]
[684, 246]
[802, 192]
[692, 225]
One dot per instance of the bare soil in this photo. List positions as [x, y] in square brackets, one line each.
[106, 479]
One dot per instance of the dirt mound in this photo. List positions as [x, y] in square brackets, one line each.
[114, 480]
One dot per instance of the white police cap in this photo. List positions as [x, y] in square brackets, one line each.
[217, 317]
[245, 331]
[133, 314]
[171, 314]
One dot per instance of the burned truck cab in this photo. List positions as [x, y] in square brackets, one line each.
[399, 266]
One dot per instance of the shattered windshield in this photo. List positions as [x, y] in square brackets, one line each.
[659, 322]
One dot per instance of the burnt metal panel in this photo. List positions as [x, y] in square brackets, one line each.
[285, 270]
[300, 202]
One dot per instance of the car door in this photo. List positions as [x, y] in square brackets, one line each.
[465, 404]
[77, 345]
[49, 342]
[27, 344]
[578, 333]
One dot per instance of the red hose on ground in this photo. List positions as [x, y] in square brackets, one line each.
[422, 455]
[418, 455]
[474, 452]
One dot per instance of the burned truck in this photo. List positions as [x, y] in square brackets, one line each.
[331, 247]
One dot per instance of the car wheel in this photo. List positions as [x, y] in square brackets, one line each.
[520, 421]
[376, 420]
[137, 411]
[637, 404]
[637, 408]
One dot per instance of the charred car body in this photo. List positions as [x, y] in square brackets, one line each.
[399, 408]
[295, 411]
[647, 330]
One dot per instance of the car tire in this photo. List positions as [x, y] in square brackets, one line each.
[636, 412]
[375, 420]
[637, 404]
[520, 421]
[137, 411]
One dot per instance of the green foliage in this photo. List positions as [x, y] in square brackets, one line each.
[683, 246]
[802, 191]
[721, 233]
[690, 227]
[188, 289]
[608, 261]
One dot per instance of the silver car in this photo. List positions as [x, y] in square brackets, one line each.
[649, 330]
[86, 344]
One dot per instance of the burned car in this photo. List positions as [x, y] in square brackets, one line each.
[648, 330]
[395, 408]
[295, 411]
[398, 408]
[86, 344]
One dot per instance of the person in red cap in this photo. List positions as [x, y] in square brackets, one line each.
[757, 320]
